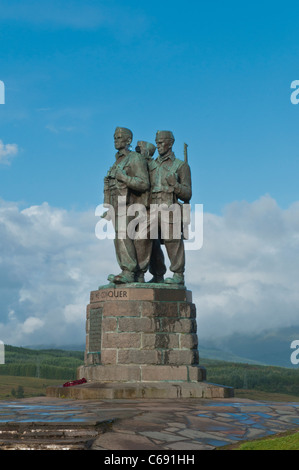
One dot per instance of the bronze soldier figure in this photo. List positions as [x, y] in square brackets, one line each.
[146, 149]
[149, 253]
[170, 180]
[127, 178]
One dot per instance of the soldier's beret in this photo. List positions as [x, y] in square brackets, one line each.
[150, 147]
[165, 135]
[126, 131]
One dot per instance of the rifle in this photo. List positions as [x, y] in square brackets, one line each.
[186, 212]
[185, 153]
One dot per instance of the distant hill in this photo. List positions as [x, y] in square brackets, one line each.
[220, 355]
[62, 347]
[270, 347]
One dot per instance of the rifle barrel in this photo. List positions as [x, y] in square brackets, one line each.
[185, 153]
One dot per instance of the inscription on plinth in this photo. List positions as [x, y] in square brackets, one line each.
[108, 294]
[141, 293]
[95, 331]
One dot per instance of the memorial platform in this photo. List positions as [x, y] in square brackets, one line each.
[43, 423]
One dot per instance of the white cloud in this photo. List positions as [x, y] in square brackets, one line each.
[73, 313]
[32, 324]
[59, 129]
[70, 13]
[244, 279]
[7, 152]
[76, 15]
[50, 261]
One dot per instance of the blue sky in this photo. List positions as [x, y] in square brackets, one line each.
[218, 74]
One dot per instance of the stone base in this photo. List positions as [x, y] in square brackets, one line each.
[155, 390]
[141, 342]
[141, 326]
[141, 373]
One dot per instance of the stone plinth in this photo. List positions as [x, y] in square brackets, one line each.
[141, 341]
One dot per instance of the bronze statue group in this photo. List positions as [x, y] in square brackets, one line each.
[136, 177]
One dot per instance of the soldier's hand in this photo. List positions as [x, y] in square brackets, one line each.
[106, 215]
[121, 175]
[171, 179]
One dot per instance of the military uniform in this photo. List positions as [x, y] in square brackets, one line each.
[133, 186]
[145, 249]
[164, 193]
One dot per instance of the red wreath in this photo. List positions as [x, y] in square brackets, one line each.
[75, 382]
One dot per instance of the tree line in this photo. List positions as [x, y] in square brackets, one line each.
[253, 377]
[62, 365]
[45, 363]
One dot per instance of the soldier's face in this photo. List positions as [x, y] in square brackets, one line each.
[142, 148]
[121, 140]
[163, 146]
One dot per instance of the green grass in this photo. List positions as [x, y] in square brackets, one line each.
[288, 441]
[35, 370]
[33, 387]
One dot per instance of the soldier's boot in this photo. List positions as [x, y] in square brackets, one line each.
[139, 277]
[125, 277]
[178, 278]
[157, 280]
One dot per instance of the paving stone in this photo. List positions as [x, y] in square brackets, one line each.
[163, 436]
[119, 441]
[259, 409]
[177, 425]
[196, 434]
[208, 423]
[193, 445]
[172, 429]
[284, 412]
[289, 418]
[254, 433]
